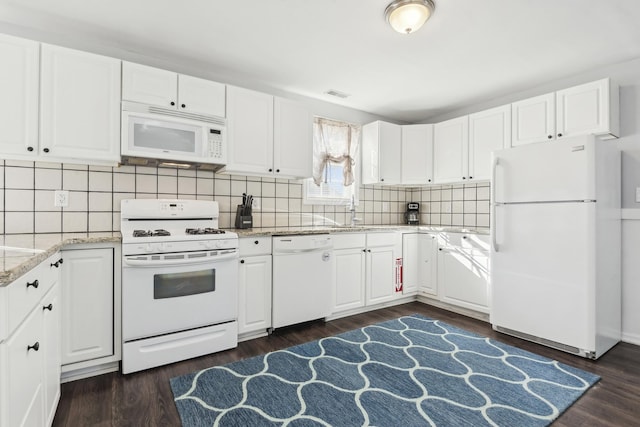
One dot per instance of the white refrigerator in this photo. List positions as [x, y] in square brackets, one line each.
[556, 241]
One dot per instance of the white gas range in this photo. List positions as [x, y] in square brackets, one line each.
[179, 282]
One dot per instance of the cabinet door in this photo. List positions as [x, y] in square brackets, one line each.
[250, 131]
[488, 131]
[417, 154]
[410, 263]
[80, 105]
[87, 295]
[370, 153]
[349, 279]
[419, 254]
[19, 88]
[533, 120]
[463, 274]
[51, 352]
[149, 85]
[292, 139]
[427, 267]
[450, 150]
[390, 153]
[583, 109]
[380, 275]
[23, 355]
[201, 96]
[254, 294]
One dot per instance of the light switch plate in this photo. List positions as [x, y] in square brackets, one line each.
[637, 194]
[61, 198]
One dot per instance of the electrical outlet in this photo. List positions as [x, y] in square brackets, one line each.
[637, 194]
[255, 203]
[61, 198]
[385, 206]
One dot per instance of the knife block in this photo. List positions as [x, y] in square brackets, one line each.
[243, 221]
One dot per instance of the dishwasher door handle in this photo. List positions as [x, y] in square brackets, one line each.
[300, 251]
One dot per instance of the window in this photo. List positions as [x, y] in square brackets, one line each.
[335, 149]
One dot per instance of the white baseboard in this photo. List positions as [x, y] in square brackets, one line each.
[631, 338]
[361, 310]
[453, 308]
[92, 371]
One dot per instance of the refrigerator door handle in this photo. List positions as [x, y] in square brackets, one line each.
[494, 231]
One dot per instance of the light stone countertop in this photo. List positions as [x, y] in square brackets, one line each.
[283, 231]
[20, 253]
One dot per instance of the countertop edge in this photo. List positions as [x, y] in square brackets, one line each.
[31, 261]
[15, 272]
[358, 229]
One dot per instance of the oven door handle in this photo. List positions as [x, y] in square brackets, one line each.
[168, 262]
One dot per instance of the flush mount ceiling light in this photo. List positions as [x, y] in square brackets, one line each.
[407, 16]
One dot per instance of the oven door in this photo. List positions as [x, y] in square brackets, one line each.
[161, 296]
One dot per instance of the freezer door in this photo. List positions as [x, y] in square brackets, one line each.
[549, 171]
[543, 277]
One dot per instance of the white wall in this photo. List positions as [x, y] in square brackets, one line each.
[627, 75]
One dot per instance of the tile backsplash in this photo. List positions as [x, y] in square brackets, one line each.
[27, 198]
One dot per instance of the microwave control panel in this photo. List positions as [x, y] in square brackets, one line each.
[216, 144]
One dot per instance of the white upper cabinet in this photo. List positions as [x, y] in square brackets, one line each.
[381, 153]
[250, 131]
[533, 120]
[488, 131]
[19, 75]
[591, 108]
[80, 106]
[292, 139]
[417, 154]
[149, 85]
[268, 136]
[451, 150]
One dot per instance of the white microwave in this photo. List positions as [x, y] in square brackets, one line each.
[156, 135]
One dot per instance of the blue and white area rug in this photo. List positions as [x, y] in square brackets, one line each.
[412, 371]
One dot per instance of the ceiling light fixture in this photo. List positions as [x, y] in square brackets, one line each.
[407, 16]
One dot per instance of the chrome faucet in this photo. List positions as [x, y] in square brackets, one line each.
[352, 209]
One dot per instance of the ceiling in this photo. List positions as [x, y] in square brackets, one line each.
[470, 51]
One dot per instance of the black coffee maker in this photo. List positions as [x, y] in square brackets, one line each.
[412, 215]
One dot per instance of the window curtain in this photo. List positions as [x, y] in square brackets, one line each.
[334, 142]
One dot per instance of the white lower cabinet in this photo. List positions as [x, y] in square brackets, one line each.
[419, 262]
[52, 314]
[90, 295]
[29, 347]
[87, 294]
[463, 270]
[350, 255]
[381, 279]
[254, 286]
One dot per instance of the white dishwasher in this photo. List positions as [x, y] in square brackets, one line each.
[303, 274]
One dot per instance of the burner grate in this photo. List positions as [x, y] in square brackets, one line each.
[150, 233]
[204, 231]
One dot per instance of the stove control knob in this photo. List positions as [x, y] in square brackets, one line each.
[206, 244]
[219, 243]
[148, 248]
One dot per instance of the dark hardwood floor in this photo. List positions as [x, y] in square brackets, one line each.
[145, 398]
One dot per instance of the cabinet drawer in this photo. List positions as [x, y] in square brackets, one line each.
[381, 239]
[255, 246]
[22, 388]
[25, 292]
[349, 240]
